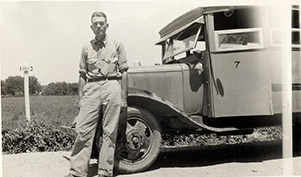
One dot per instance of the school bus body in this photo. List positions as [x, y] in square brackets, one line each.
[221, 72]
[234, 79]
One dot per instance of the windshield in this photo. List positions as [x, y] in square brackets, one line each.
[182, 41]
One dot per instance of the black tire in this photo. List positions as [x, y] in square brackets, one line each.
[138, 141]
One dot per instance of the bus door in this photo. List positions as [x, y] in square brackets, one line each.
[239, 74]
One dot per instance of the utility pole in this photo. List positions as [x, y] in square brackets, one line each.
[26, 70]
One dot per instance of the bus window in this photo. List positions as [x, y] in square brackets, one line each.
[177, 45]
[239, 39]
[237, 19]
[238, 29]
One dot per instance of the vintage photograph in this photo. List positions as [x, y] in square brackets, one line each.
[150, 88]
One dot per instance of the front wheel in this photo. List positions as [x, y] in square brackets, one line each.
[138, 140]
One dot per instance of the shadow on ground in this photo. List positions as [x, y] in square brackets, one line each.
[206, 156]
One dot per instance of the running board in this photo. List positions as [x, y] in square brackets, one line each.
[198, 120]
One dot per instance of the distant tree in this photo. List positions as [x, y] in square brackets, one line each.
[73, 88]
[49, 89]
[14, 85]
[34, 85]
[60, 88]
[3, 87]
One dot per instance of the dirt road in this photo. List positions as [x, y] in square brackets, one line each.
[259, 159]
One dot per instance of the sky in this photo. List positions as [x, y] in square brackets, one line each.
[49, 35]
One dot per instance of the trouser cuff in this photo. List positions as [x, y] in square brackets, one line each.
[101, 172]
[77, 175]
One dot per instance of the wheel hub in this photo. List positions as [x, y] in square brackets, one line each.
[135, 140]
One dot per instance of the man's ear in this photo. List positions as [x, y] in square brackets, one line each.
[91, 27]
[107, 25]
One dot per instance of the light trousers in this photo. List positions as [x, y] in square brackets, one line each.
[99, 96]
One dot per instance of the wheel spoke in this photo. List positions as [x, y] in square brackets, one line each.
[147, 141]
[129, 127]
[141, 126]
[133, 155]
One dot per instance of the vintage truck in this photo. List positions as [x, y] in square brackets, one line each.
[220, 73]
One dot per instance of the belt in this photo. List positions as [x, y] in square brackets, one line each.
[103, 79]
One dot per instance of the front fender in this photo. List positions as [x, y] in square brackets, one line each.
[167, 113]
[160, 107]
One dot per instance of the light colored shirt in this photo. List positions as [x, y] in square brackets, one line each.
[103, 58]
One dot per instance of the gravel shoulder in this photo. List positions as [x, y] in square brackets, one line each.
[257, 159]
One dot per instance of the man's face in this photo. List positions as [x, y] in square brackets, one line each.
[99, 26]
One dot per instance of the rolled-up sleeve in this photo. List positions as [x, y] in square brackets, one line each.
[122, 60]
[82, 62]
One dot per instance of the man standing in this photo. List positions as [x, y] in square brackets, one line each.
[102, 65]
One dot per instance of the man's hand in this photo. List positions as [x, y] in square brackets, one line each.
[81, 84]
[123, 103]
[124, 91]
[78, 103]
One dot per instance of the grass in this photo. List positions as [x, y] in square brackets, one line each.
[49, 113]
[49, 110]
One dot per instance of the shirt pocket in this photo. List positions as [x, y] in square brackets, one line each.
[92, 64]
[113, 58]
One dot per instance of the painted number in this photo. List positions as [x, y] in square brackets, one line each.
[237, 63]
[26, 68]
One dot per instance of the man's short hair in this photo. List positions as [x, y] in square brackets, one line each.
[99, 14]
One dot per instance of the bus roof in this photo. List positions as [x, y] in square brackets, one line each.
[190, 17]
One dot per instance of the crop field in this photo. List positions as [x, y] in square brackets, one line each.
[44, 133]
[48, 110]
[49, 113]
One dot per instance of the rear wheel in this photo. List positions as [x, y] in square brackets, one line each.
[138, 141]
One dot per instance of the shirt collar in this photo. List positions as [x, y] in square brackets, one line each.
[103, 42]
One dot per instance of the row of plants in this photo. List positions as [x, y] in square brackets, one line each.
[262, 134]
[35, 137]
[49, 113]
[38, 137]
